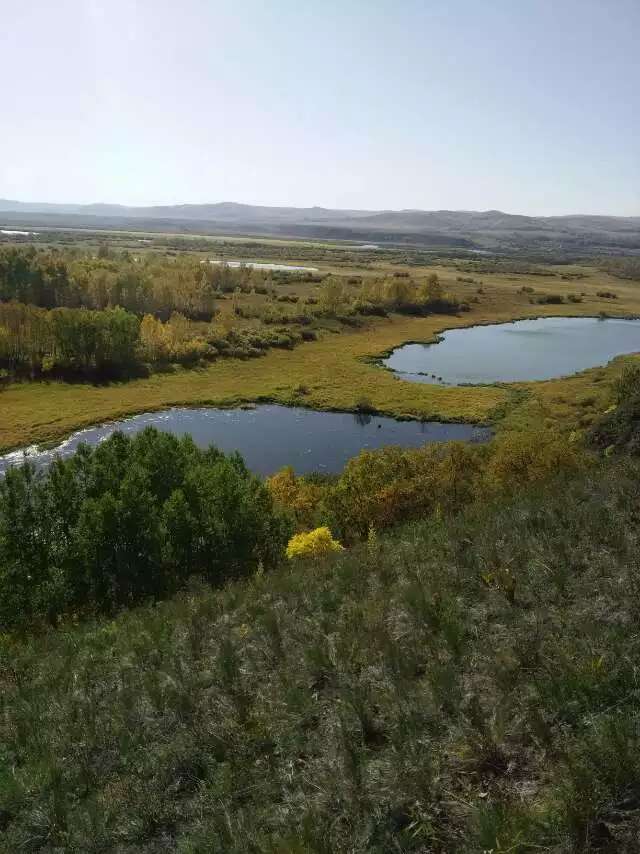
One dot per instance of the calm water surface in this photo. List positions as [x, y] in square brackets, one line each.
[270, 437]
[263, 265]
[511, 352]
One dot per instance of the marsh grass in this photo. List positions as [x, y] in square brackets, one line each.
[396, 697]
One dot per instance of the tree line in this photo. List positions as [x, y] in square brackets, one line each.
[103, 316]
[114, 343]
[66, 340]
[621, 268]
[148, 284]
[380, 296]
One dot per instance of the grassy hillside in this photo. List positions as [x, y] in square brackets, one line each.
[465, 685]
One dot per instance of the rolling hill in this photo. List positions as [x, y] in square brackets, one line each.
[492, 230]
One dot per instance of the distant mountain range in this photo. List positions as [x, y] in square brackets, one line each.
[485, 230]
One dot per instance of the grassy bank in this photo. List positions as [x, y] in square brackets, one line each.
[459, 686]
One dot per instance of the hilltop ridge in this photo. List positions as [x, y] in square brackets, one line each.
[491, 230]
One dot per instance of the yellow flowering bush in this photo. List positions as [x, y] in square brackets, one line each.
[313, 543]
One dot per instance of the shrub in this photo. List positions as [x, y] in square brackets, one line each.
[315, 543]
[349, 320]
[606, 295]
[619, 428]
[628, 383]
[365, 405]
[519, 459]
[379, 488]
[369, 308]
[550, 299]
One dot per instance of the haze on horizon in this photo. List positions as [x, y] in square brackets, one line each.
[528, 107]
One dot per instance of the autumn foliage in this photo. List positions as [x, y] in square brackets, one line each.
[381, 488]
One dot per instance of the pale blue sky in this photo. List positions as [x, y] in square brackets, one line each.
[530, 106]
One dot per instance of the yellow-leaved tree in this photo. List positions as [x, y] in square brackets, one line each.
[297, 495]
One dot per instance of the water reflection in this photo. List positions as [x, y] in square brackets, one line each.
[362, 418]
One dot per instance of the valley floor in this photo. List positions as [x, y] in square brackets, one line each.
[335, 372]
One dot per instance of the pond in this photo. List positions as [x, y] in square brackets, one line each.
[514, 352]
[271, 436]
[264, 265]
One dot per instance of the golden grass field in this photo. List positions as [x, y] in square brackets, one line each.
[335, 374]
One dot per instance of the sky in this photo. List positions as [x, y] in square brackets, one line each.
[527, 106]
